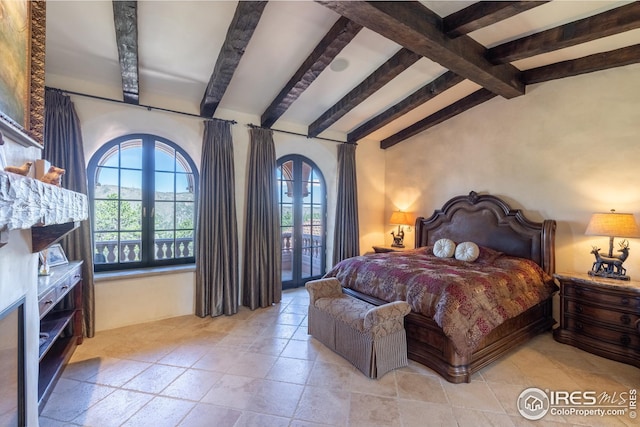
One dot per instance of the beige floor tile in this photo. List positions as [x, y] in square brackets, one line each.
[373, 411]
[421, 414]
[252, 419]
[252, 364]
[473, 418]
[290, 370]
[301, 349]
[67, 404]
[233, 391]
[160, 412]
[154, 379]
[114, 410]
[385, 386]
[324, 406]
[186, 355]
[268, 345]
[217, 359]
[87, 368]
[204, 415]
[119, 373]
[193, 384]
[331, 376]
[425, 388]
[473, 395]
[276, 398]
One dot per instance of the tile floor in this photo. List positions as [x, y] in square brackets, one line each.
[260, 368]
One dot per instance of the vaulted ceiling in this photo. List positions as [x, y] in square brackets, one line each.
[383, 71]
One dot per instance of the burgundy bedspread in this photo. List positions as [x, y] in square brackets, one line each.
[466, 299]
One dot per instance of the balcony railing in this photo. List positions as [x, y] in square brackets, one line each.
[311, 256]
[108, 252]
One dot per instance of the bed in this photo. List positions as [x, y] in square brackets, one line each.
[506, 238]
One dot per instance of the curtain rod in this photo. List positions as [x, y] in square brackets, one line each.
[252, 126]
[148, 107]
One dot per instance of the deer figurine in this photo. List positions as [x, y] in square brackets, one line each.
[605, 265]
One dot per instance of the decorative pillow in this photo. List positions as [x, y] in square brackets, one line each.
[467, 251]
[444, 248]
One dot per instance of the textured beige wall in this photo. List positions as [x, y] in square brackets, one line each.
[566, 149]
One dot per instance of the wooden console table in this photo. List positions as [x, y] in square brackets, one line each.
[61, 314]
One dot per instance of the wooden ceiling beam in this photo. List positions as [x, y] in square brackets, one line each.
[458, 107]
[340, 35]
[615, 21]
[588, 64]
[418, 29]
[125, 18]
[483, 14]
[244, 22]
[417, 98]
[398, 63]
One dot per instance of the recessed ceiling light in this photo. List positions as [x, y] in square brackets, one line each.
[339, 64]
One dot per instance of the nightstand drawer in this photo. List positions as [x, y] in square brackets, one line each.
[627, 321]
[629, 339]
[614, 299]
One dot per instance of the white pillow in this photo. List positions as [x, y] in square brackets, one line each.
[444, 248]
[467, 251]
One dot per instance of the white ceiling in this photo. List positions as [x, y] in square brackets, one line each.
[179, 42]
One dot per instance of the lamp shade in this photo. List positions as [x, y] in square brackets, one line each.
[400, 218]
[613, 224]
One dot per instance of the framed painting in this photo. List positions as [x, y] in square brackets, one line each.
[22, 42]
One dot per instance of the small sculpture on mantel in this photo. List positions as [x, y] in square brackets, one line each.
[53, 176]
[20, 170]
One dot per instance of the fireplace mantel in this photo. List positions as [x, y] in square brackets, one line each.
[49, 211]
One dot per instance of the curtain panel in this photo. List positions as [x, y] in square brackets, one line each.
[217, 278]
[346, 242]
[262, 282]
[63, 148]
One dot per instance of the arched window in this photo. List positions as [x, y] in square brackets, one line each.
[142, 192]
[303, 217]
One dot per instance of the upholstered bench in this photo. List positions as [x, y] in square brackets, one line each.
[371, 337]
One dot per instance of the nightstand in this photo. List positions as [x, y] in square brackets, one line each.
[383, 249]
[601, 316]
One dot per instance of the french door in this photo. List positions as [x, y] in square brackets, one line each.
[303, 212]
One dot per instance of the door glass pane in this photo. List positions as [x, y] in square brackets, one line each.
[130, 215]
[185, 186]
[301, 198]
[131, 184]
[131, 154]
[165, 185]
[105, 215]
[165, 157]
[164, 216]
[164, 245]
[130, 247]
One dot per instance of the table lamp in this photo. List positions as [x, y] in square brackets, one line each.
[612, 225]
[399, 218]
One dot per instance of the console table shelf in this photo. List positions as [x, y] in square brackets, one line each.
[60, 304]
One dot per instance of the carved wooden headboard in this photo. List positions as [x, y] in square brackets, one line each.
[489, 221]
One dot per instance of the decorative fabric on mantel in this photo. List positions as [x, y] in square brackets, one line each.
[347, 235]
[217, 282]
[63, 148]
[262, 283]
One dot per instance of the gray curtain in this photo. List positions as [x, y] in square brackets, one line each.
[262, 283]
[346, 241]
[217, 281]
[63, 148]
